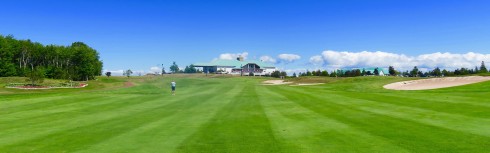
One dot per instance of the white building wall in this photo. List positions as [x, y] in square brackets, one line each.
[228, 70]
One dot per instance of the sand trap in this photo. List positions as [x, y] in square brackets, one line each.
[435, 83]
[307, 84]
[275, 82]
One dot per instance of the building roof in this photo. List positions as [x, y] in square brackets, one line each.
[234, 63]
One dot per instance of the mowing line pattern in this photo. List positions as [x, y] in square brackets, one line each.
[240, 115]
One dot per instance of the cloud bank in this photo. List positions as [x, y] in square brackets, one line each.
[344, 59]
[289, 57]
[268, 59]
[232, 56]
[155, 70]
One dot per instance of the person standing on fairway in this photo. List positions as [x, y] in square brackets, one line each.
[173, 87]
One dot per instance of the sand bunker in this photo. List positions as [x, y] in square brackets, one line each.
[435, 83]
[275, 82]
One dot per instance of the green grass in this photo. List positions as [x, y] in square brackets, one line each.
[237, 114]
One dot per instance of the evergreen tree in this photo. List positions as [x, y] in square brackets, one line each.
[186, 69]
[445, 72]
[276, 74]
[284, 74]
[357, 72]
[414, 72]
[308, 73]
[174, 68]
[483, 69]
[324, 73]
[376, 71]
[392, 71]
[437, 72]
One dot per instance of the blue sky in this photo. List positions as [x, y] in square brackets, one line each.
[324, 34]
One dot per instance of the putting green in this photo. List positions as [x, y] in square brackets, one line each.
[238, 114]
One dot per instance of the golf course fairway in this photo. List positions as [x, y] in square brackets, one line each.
[239, 114]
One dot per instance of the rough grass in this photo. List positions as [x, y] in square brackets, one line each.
[237, 114]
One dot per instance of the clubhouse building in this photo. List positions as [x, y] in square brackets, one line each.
[237, 67]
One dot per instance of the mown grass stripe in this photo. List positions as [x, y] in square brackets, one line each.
[475, 125]
[165, 134]
[64, 123]
[97, 130]
[466, 121]
[445, 106]
[306, 131]
[53, 114]
[412, 136]
[240, 126]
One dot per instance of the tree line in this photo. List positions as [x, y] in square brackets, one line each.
[415, 72]
[25, 58]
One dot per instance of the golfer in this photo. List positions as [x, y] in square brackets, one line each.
[173, 88]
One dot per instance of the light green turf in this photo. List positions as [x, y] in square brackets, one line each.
[233, 114]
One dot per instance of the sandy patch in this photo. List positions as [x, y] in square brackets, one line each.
[275, 82]
[307, 84]
[435, 83]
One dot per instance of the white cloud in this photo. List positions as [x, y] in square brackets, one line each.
[233, 56]
[155, 70]
[138, 73]
[316, 60]
[336, 59]
[268, 59]
[289, 57]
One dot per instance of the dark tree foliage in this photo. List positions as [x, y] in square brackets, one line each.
[75, 62]
[276, 74]
[284, 74]
[333, 74]
[414, 72]
[174, 68]
[369, 73]
[436, 72]
[108, 74]
[483, 69]
[392, 71]
[357, 72]
[36, 75]
[190, 69]
[445, 72]
[128, 73]
[324, 73]
[376, 71]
